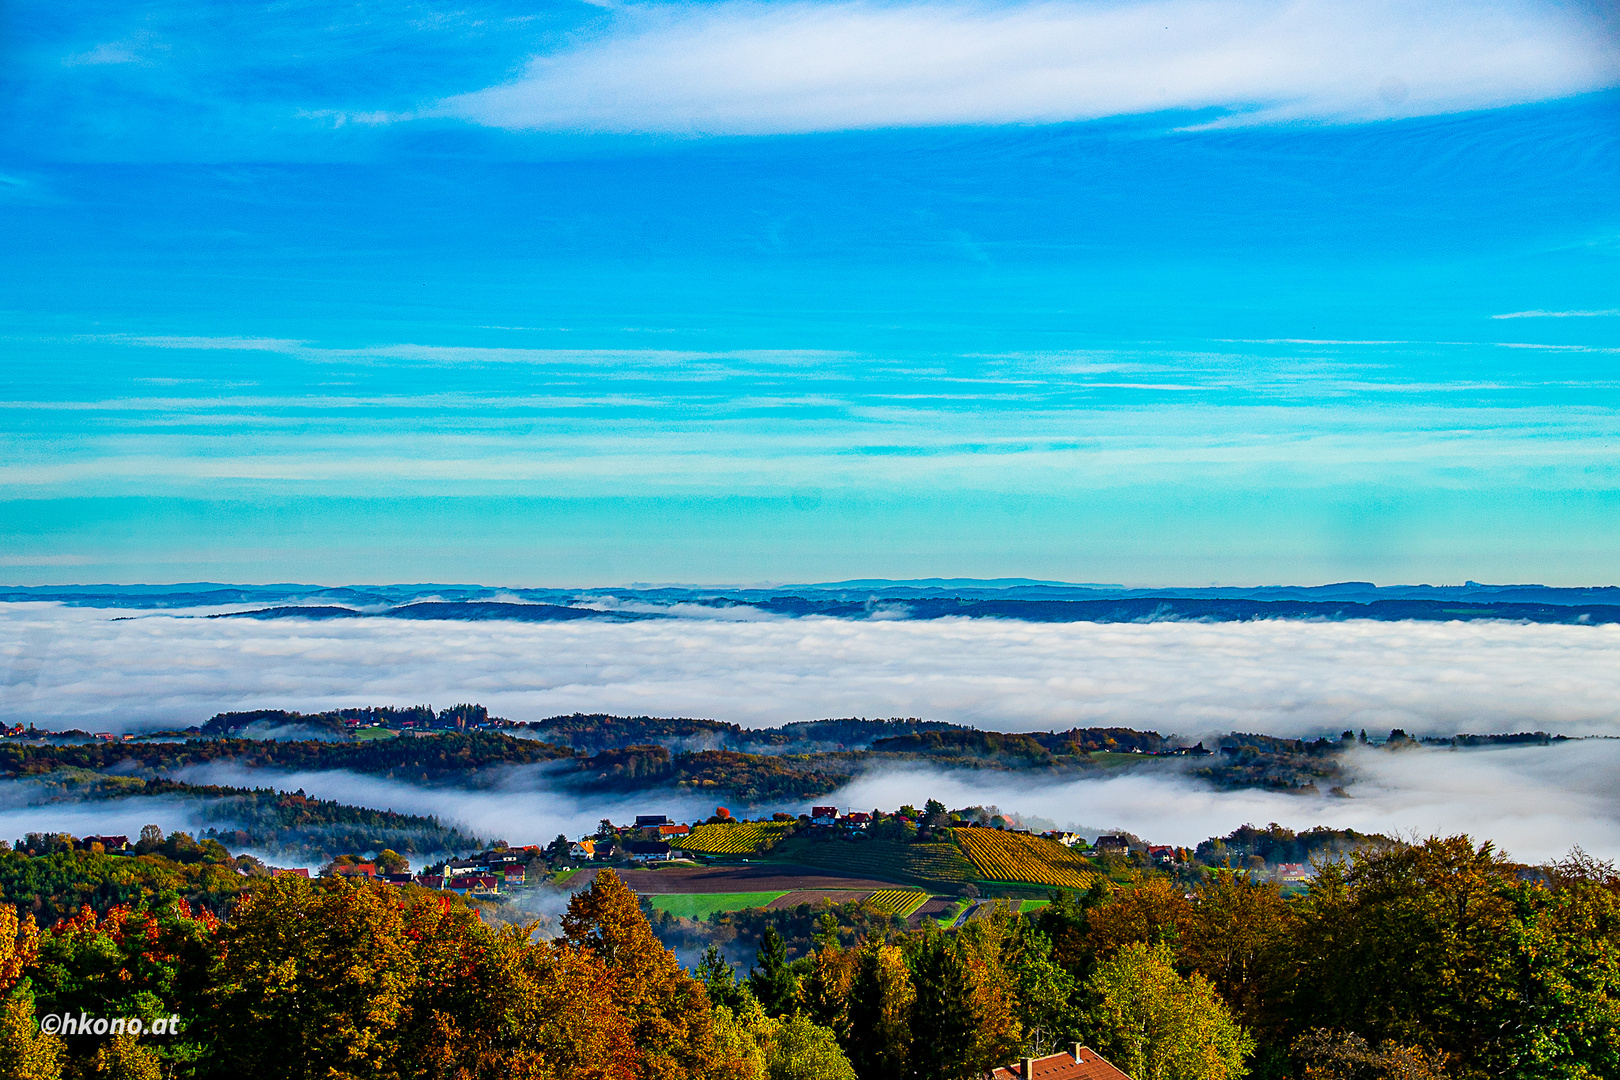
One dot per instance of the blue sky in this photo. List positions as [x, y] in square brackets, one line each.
[564, 293]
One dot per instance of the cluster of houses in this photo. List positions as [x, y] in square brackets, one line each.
[483, 875]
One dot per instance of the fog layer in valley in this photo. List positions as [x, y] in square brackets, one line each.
[80, 667]
[1536, 802]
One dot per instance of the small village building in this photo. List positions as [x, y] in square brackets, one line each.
[1079, 1063]
[473, 883]
[647, 850]
[824, 815]
[651, 821]
[582, 849]
[112, 845]
[1113, 845]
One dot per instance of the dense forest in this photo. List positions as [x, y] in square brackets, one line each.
[1421, 961]
[465, 747]
[452, 757]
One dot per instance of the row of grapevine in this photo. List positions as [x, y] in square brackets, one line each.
[732, 837]
[901, 902]
[1007, 856]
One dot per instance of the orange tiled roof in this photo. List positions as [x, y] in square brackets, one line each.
[1081, 1063]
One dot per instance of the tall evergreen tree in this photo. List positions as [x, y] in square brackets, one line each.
[772, 981]
[941, 1017]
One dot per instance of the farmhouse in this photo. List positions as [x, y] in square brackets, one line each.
[647, 850]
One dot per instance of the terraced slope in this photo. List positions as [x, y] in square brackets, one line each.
[926, 865]
[1007, 856]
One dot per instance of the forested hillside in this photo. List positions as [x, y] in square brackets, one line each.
[1409, 962]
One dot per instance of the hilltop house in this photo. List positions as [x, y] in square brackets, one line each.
[856, 820]
[582, 849]
[1080, 1063]
[1113, 845]
[651, 821]
[824, 815]
[109, 844]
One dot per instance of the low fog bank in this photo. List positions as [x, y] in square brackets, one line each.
[1535, 802]
[520, 809]
[81, 667]
[122, 817]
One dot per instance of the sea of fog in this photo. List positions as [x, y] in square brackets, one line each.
[104, 670]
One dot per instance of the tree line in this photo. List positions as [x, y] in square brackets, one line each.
[1439, 959]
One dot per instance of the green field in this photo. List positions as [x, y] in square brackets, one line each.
[702, 905]
[883, 860]
[367, 733]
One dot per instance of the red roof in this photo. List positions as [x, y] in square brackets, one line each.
[1082, 1063]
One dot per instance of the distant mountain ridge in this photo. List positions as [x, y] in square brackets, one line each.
[839, 597]
[1016, 598]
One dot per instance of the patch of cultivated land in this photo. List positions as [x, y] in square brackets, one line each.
[816, 896]
[773, 877]
[702, 905]
[732, 837]
[903, 864]
[1018, 858]
[901, 902]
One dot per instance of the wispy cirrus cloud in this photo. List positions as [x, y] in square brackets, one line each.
[739, 67]
[1606, 313]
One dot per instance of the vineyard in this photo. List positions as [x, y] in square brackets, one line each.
[901, 902]
[732, 837]
[1005, 856]
[921, 864]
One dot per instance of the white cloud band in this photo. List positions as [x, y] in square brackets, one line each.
[760, 68]
[78, 666]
